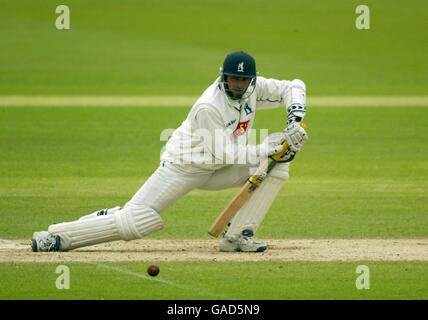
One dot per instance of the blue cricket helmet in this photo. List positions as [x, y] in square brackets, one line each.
[242, 65]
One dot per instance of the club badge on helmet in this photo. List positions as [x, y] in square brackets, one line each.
[241, 65]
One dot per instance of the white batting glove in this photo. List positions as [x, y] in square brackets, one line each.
[296, 136]
[272, 144]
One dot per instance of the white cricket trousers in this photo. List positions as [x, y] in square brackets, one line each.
[140, 216]
[172, 181]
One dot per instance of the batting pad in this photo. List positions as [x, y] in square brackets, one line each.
[126, 224]
[102, 212]
[251, 215]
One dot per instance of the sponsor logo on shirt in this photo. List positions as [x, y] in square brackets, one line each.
[247, 109]
[231, 122]
[241, 128]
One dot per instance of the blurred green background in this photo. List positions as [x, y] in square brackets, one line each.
[176, 47]
[362, 174]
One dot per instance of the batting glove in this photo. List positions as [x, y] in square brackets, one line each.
[273, 144]
[296, 136]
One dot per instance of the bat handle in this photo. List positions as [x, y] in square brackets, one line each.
[278, 156]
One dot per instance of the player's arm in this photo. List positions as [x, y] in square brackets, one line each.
[295, 103]
[220, 142]
[292, 94]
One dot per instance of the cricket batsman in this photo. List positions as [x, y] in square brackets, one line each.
[205, 152]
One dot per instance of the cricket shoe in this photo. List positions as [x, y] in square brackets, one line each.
[244, 243]
[43, 241]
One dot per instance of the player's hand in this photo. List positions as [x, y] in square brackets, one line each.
[273, 144]
[276, 141]
[296, 136]
[287, 157]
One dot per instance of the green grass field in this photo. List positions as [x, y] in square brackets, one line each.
[362, 174]
[58, 164]
[197, 280]
[176, 47]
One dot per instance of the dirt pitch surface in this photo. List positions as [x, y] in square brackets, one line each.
[207, 250]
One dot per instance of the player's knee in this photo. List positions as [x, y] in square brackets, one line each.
[136, 222]
[298, 83]
[280, 171]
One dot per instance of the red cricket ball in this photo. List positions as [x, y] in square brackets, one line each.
[153, 270]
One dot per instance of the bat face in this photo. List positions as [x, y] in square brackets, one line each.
[230, 211]
[239, 200]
